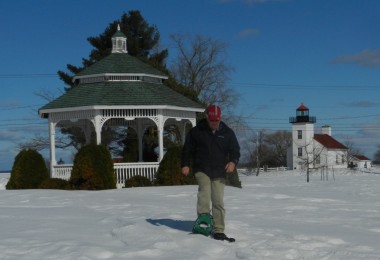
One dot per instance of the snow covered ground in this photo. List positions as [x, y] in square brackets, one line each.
[274, 216]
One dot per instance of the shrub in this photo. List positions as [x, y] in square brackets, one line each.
[55, 184]
[137, 181]
[93, 169]
[28, 171]
[169, 171]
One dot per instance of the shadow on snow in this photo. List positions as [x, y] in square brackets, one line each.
[182, 225]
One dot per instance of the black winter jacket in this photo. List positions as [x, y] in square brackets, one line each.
[210, 152]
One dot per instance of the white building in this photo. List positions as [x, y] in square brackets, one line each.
[361, 162]
[313, 150]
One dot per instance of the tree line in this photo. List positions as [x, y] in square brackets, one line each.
[267, 148]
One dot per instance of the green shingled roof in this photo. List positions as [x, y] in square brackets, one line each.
[120, 63]
[118, 33]
[121, 94]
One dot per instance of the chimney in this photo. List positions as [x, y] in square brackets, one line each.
[326, 130]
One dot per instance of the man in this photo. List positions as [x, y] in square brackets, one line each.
[214, 151]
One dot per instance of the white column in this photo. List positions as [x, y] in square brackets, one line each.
[139, 137]
[53, 161]
[160, 128]
[98, 129]
[87, 131]
[183, 131]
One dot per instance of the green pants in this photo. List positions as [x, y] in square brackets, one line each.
[211, 191]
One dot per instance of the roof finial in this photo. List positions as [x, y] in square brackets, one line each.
[118, 27]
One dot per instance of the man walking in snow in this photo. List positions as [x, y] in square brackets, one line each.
[213, 150]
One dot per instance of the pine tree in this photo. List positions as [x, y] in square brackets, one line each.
[28, 170]
[142, 42]
[169, 172]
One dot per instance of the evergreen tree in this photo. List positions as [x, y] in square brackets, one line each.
[169, 172]
[93, 169]
[142, 42]
[28, 171]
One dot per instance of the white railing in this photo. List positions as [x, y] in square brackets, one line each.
[62, 171]
[123, 171]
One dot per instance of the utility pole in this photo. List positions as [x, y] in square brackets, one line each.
[257, 154]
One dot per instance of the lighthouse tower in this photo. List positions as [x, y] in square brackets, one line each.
[302, 136]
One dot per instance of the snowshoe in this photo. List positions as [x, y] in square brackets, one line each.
[203, 225]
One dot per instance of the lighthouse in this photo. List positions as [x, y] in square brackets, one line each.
[302, 136]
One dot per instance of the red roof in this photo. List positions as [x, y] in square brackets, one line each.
[302, 107]
[361, 157]
[328, 142]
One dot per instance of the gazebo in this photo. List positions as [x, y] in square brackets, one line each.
[119, 90]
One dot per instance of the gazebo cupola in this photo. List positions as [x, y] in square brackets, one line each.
[119, 42]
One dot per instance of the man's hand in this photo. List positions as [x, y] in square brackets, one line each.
[230, 167]
[185, 170]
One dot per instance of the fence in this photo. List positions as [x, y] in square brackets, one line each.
[123, 171]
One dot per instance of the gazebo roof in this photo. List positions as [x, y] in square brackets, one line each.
[121, 94]
[120, 80]
[120, 63]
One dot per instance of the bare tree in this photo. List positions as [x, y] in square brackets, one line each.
[311, 155]
[265, 148]
[255, 149]
[47, 94]
[279, 142]
[377, 155]
[39, 143]
[259, 148]
[201, 66]
[352, 150]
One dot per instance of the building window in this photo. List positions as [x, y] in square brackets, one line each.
[318, 159]
[119, 43]
[299, 133]
[299, 151]
[337, 159]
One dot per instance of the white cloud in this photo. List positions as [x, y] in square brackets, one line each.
[365, 58]
[362, 103]
[9, 135]
[10, 104]
[248, 32]
[251, 1]
[368, 136]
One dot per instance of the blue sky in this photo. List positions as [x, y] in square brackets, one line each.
[325, 53]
